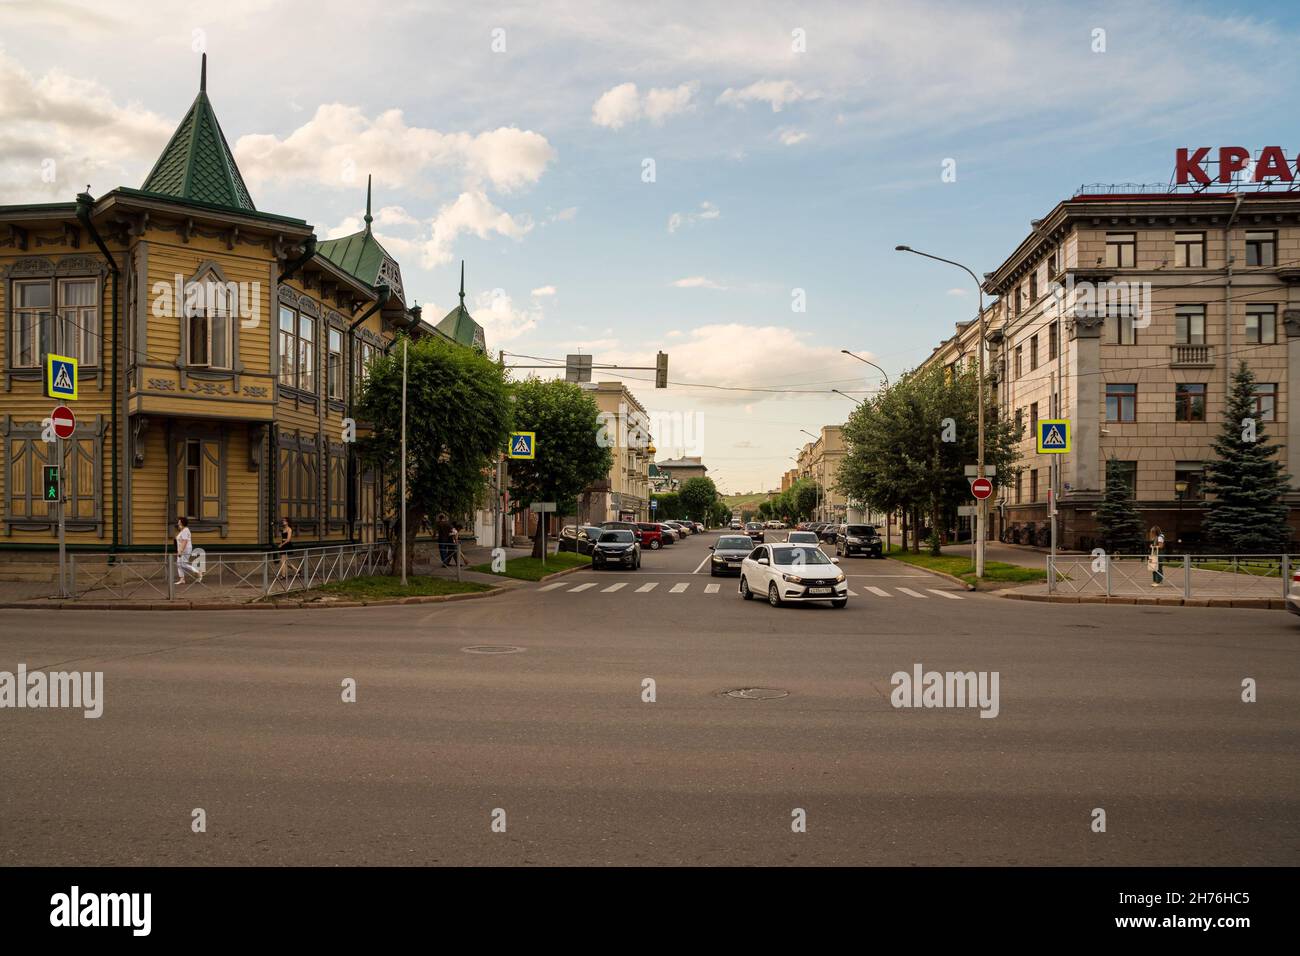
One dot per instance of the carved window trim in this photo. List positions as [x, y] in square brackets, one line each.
[25, 439]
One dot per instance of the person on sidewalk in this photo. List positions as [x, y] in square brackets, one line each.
[446, 534]
[184, 552]
[286, 538]
[1154, 562]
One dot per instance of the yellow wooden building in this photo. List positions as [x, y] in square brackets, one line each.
[220, 348]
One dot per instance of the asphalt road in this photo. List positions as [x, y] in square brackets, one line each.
[1134, 710]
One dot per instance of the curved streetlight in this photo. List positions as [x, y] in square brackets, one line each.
[872, 364]
[979, 466]
[845, 395]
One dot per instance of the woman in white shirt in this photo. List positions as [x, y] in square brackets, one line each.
[184, 549]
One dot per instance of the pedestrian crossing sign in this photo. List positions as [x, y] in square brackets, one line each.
[523, 445]
[61, 377]
[1053, 436]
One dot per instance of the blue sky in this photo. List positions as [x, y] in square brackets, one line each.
[775, 169]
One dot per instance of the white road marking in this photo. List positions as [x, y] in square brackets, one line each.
[678, 588]
[948, 594]
[707, 558]
[879, 592]
[552, 587]
[910, 593]
[711, 588]
[614, 587]
[582, 587]
[852, 593]
[647, 587]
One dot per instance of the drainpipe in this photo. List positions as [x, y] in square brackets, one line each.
[84, 205]
[1227, 302]
[384, 292]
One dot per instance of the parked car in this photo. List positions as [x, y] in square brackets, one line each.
[828, 531]
[699, 528]
[737, 525]
[651, 536]
[803, 537]
[617, 548]
[755, 531]
[668, 532]
[730, 550]
[854, 539]
[793, 573]
[679, 527]
[623, 526]
[579, 539]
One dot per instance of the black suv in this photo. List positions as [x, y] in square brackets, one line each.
[616, 548]
[854, 539]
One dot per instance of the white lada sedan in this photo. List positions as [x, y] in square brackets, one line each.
[792, 573]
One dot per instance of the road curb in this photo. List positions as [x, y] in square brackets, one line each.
[253, 606]
[560, 574]
[939, 574]
[1256, 604]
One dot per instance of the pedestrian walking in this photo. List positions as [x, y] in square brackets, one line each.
[185, 552]
[1154, 561]
[446, 535]
[286, 538]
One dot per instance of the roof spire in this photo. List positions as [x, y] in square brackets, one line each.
[462, 283]
[203, 75]
[369, 218]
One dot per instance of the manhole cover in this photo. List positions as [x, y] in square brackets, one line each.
[492, 649]
[758, 693]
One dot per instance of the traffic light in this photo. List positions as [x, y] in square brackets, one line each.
[51, 482]
[661, 370]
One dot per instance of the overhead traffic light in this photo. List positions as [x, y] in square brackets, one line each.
[661, 370]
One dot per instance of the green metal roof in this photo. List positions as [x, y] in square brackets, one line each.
[459, 326]
[363, 256]
[197, 163]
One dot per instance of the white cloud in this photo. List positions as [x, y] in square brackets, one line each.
[706, 212]
[956, 292]
[340, 144]
[58, 133]
[777, 93]
[543, 291]
[792, 137]
[501, 320]
[697, 282]
[623, 104]
[565, 215]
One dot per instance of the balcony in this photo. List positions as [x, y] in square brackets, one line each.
[1191, 356]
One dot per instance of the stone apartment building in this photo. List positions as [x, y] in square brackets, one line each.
[624, 494]
[1127, 314]
[820, 461]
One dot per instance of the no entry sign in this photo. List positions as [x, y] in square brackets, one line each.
[64, 422]
[981, 488]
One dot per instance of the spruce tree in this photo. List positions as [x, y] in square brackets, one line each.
[1119, 525]
[1247, 510]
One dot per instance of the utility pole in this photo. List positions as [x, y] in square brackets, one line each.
[403, 481]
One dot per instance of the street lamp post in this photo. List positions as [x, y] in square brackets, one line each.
[982, 514]
[1180, 490]
[872, 364]
[846, 395]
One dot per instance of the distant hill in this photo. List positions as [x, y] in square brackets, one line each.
[735, 502]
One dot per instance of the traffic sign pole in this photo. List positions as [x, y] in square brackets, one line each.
[63, 548]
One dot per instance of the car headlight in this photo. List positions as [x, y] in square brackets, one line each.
[839, 577]
[855, 540]
[793, 578]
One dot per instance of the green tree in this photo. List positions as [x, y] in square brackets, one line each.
[568, 455]
[457, 418]
[697, 497]
[804, 496]
[669, 507]
[1247, 510]
[1119, 523]
[764, 510]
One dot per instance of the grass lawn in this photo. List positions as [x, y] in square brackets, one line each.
[377, 587]
[1258, 567]
[961, 567]
[532, 569]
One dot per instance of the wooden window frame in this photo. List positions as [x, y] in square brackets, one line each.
[1185, 401]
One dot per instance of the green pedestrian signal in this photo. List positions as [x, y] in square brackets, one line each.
[51, 482]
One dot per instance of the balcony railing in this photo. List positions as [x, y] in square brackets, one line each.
[1191, 356]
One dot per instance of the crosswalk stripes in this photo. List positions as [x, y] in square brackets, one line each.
[683, 587]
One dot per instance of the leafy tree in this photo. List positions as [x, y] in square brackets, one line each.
[670, 506]
[569, 456]
[457, 418]
[698, 496]
[1247, 511]
[907, 447]
[1119, 523]
[765, 510]
[804, 496]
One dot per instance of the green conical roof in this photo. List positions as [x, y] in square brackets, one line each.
[459, 325]
[362, 255]
[197, 163]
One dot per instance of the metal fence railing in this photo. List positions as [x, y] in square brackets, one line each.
[1176, 575]
[157, 576]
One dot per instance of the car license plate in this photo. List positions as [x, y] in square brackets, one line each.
[821, 590]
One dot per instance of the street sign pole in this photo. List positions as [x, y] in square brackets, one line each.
[404, 463]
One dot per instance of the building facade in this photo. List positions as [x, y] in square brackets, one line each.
[624, 494]
[1127, 314]
[819, 460]
[220, 347]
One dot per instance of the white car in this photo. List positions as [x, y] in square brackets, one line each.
[793, 573]
[803, 537]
